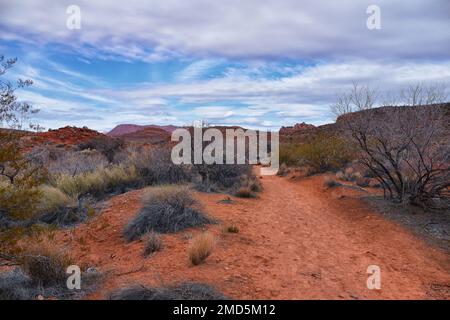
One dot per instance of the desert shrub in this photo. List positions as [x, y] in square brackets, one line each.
[19, 199]
[43, 275]
[154, 166]
[53, 199]
[69, 162]
[45, 266]
[108, 146]
[70, 215]
[288, 154]
[15, 285]
[330, 183]
[250, 185]
[405, 147]
[166, 209]
[153, 244]
[322, 153]
[201, 248]
[183, 291]
[98, 183]
[221, 177]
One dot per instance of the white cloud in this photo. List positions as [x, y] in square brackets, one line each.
[154, 29]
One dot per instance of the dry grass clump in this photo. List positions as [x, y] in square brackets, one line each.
[201, 248]
[250, 186]
[155, 166]
[231, 228]
[53, 199]
[153, 243]
[42, 272]
[183, 291]
[45, 266]
[97, 183]
[166, 209]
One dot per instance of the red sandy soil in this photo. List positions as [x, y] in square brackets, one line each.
[66, 136]
[297, 241]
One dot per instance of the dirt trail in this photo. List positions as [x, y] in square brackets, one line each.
[297, 241]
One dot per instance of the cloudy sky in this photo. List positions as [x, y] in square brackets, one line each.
[255, 63]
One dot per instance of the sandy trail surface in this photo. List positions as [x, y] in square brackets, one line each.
[298, 240]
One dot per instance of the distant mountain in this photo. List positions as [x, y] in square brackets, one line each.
[123, 129]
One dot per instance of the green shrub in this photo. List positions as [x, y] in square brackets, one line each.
[97, 183]
[53, 199]
[322, 153]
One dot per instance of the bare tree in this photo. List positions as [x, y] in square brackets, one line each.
[405, 147]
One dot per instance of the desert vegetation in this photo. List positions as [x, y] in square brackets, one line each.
[166, 209]
[201, 248]
[182, 291]
[59, 188]
[404, 145]
[41, 272]
[153, 243]
[322, 153]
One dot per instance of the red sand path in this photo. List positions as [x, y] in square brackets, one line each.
[297, 241]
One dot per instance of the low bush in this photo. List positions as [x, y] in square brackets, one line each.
[19, 199]
[70, 215]
[183, 291]
[166, 209]
[322, 153]
[69, 162]
[108, 146]
[43, 274]
[45, 266]
[98, 183]
[155, 166]
[153, 244]
[221, 177]
[53, 199]
[15, 285]
[201, 248]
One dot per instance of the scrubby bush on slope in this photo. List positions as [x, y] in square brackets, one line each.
[183, 291]
[166, 209]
